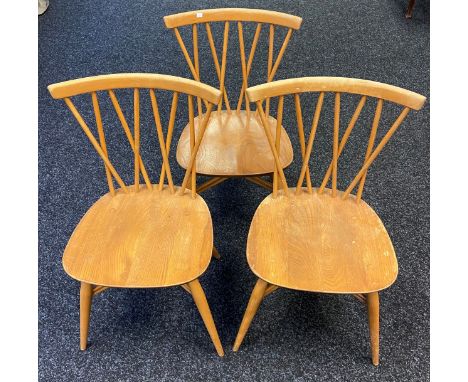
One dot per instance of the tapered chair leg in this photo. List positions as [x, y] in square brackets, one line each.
[215, 253]
[86, 296]
[409, 10]
[252, 307]
[204, 309]
[373, 312]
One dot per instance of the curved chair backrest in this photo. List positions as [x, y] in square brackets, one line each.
[138, 82]
[258, 16]
[337, 85]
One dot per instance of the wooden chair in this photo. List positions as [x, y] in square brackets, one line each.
[320, 239]
[141, 235]
[234, 145]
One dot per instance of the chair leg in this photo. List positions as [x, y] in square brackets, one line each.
[202, 305]
[252, 307]
[409, 10]
[86, 296]
[215, 253]
[373, 312]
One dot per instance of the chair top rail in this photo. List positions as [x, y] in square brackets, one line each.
[339, 85]
[232, 14]
[134, 80]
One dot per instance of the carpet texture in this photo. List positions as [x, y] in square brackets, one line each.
[158, 335]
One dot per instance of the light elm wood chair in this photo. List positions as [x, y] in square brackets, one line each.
[142, 235]
[321, 239]
[234, 145]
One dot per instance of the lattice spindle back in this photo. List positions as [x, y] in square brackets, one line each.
[140, 83]
[196, 19]
[338, 86]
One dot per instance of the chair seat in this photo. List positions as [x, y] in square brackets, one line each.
[147, 238]
[234, 145]
[319, 243]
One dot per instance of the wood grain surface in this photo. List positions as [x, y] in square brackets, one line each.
[236, 14]
[337, 85]
[133, 80]
[316, 242]
[148, 238]
[234, 145]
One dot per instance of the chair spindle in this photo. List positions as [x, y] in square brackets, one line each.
[370, 145]
[315, 121]
[95, 144]
[102, 140]
[336, 131]
[162, 145]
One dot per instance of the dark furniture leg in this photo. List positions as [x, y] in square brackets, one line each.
[409, 10]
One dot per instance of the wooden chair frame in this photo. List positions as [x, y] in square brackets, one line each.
[240, 16]
[295, 87]
[138, 82]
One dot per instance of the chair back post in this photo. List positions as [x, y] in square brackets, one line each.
[138, 82]
[339, 86]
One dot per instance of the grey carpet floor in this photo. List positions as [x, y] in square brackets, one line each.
[146, 335]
